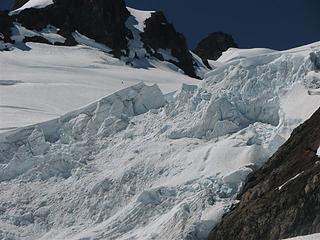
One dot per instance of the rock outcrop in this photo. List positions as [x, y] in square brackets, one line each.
[19, 3]
[214, 45]
[5, 26]
[101, 20]
[105, 21]
[281, 199]
[159, 34]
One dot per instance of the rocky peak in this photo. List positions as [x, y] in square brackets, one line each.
[212, 46]
[159, 34]
[101, 20]
[105, 21]
[281, 199]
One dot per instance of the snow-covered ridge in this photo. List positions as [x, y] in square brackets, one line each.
[141, 165]
[242, 92]
[32, 4]
[124, 38]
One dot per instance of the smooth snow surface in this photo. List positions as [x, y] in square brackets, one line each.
[56, 80]
[307, 237]
[33, 4]
[140, 164]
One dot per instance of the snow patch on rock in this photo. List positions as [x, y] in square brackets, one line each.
[136, 24]
[50, 33]
[83, 40]
[33, 4]
[307, 237]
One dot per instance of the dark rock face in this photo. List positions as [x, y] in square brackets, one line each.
[5, 26]
[282, 199]
[101, 20]
[214, 45]
[19, 3]
[158, 33]
[105, 22]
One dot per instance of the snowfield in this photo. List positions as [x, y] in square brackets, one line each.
[139, 163]
[307, 237]
[51, 80]
[33, 4]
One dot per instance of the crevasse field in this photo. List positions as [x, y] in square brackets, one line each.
[91, 148]
[140, 164]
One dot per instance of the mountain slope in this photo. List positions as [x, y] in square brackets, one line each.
[281, 199]
[212, 46]
[49, 81]
[110, 23]
[139, 164]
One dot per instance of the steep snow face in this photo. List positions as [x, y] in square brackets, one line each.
[142, 165]
[33, 4]
[140, 16]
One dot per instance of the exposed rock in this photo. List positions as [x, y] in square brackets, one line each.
[38, 39]
[19, 3]
[5, 26]
[101, 20]
[105, 22]
[214, 45]
[159, 34]
[282, 199]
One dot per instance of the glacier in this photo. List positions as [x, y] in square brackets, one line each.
[143, 164]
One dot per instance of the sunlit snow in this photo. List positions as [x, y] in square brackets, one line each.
[33, 4]
[138, 163]
[307, 237]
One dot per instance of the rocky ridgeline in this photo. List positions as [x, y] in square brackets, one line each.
[281, 199]
[105, 22]
[31, 147]
[212, 46]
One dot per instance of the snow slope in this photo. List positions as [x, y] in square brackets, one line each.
[33, 4]
[307, 237]
[139, 164]
[51, 80]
